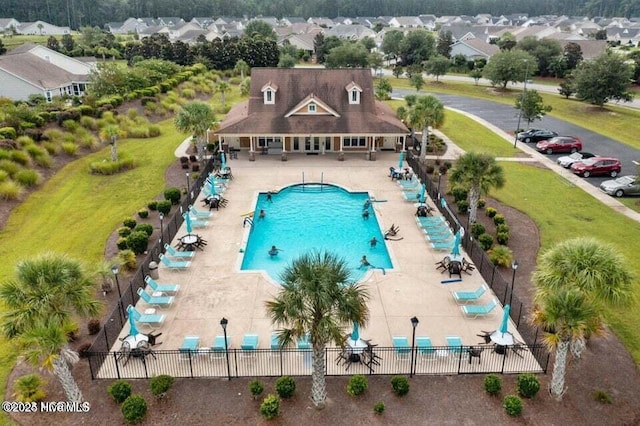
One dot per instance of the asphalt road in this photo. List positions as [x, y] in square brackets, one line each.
[505, 117]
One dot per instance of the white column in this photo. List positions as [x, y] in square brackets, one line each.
[284, 143]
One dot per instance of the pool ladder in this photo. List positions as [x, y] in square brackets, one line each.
[247, 220]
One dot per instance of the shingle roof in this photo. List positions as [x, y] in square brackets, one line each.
[30, 68]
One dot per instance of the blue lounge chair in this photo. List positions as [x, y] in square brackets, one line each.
[189, 347]
[249, 345]
[476, 311]
[442, 246]
[462, 297]
[304, 343]
[197, 223]
[146, 319]
[439, 238]
[401, 347]
[159, 301]
[425, 348]
[275, 343]
[437, 230]
[430, 222]
[218, 347]
[455, 344]
[199, 214]
[174, 264]
[178, 254]
[161, 288]
[411, 183]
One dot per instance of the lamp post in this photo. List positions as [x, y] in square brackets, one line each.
[524, 95]
[414, 324]
[439, 179]
[188, 189]
[514, 266]
[223, 323]
[114, 270]
[161, 232]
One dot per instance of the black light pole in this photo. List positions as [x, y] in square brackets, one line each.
[524, 95]
[188, 189]
[514, 266]
[223, 323]
[115, 269]
[414, 324]
[439, 179]
[161, 232]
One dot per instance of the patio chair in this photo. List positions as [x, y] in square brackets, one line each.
[455, 345]
[411, 196]
[218, 347]
[173, 264]
[179, 254]
[189, 347]
[159, 301]
[401, 347]
[199, 213]
[304, 342]
[148, 320]
[476, 311]
[161, 288]
[442, 246]
[463, 297]
[249, 345]
[425, 348]
[197, 223]
[275, 343]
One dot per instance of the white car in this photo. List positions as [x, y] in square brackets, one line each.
[568, 160]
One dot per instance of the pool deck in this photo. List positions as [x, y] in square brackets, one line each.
[214, 287]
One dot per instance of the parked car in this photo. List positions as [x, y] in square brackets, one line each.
[560, 144]
[597, 166]
[624, 185]
[536, 135]
[568, 160]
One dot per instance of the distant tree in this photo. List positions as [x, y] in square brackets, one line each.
[416, 81]
[289, 49]
[377, 27]
[375, 60]
[368, 42]
[558, 67]
[572, 54]
[544, 50]
[260, 28]
[391, 43]
[222, 88]
[507, 41]
[348, 55]
[604, 78]
[437, 65]
[68, 43]
[397, 71]
[509, 66]
[53, 44]
[567, 87]
[532, 106]
[40, 27]
[416, 47]
[425, 111]
[459, 62]
[241, 68]
[476, 74]
[245, 86]
[181, 53]
[323, 45]
[195, 117]
[635, 57]
[383, 89]
[286, 61]
[3, 49]
[443, 45]
[90, 36]
[600, 34]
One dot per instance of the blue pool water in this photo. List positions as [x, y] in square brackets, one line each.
[301, 218]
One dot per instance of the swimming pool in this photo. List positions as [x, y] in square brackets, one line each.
[301, 218]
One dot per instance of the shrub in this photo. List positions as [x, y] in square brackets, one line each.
[195, 167]
[378, 407]
[602, 396]
[164, 206]
[129, 222]
[52, 147]
[144, 227]
[528, 385]
[70, 125]
[120, 391]
[138, 241]
[122, 242]
[256, 388]
[459, 193]
[485, 241]
[25, 141]
[44, 161]
[83, 349]
[154, 130]
[492, 384]
[138, 132]
[10, 190]
[21, 158]
[502, 228]
[7, 133]
[477, 229]
[429, 169]
[184, 160]
[463, 206]
[172, 194]
[188, 93]
[285, 386]
[124, 231]
[270, 407]
[93, 326]
[490, 211]
[70, 148]
[152, 205]
[89, 123]
[400, 385]
[160, 385]
[143, 213]
[3, 175]
[134, 409]
[127, 258]
[501, 256]
[357, 385]
[512, 405]
[498, 219]
[481, 203]
[10, 167]
[28, 388]
[193, 158]
[502, 238]
[28, 177]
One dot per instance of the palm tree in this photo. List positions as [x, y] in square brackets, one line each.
[426, 111]
[50, 287]
[195, 117]
[222, 87]
[477, 173]
[242, 68]
[318, 300]
[110, 133]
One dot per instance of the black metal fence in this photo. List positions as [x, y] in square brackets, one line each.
[437, 360]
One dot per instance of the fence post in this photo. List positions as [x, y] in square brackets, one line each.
[190, 365]
[115, 360]
[504, 358]
[493, 274]
[106, 338]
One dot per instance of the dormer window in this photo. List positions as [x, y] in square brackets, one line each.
[312, 108]
[269, 92]
[353, 91]
[268, 97]
[355, 97]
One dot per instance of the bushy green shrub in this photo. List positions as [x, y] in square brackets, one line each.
[7, 133]
[122, 242]
[172, 194]
[490, 211]
[152, 205]
[378, 407]
[160, 385]
[499, 219]
[70, 148]
[459, 193]
[138, 242]
[28, 388]
[28, 177]
[528, 385]
[270, 407]
[120, 390]
[429, 169]
[129, 222]
[154, 130]
[463, 206]
[112, 167]
[481, 203]
[35, 150]
[512, 405]
[485, 241]
[477, 229]
[89, 123]
[492, 384]
[10, 190]
[357, 385]
[144, 227]
[188, 93]
[127, 258]
[501, 255]
[285, 386]
[400, 385]
[143, 213]
[502, 228]
[256, 388]
[52, 147]
[134, 409]
[20, 157]
[502, 238]
[3, 176]
[602, 396]
[24, 141]
[10, 167]
[70, 125]
[138, 132]
[164, 206]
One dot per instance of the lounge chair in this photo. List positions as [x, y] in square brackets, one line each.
[439, 238]
[199, 213]
[463, 297]
[275, 343]
[178, 254]
[410, 183]
[425, 348]
[455, 344]
[174, 264]
[189, 347]
[249, 345]
[148, 320]
[218, 348]
[159, 301]
[401, 347]
[304, 343]
[161, 288]
[442, 246]
[197, 223]
[476, 311]
[411, 196]
[430, 222]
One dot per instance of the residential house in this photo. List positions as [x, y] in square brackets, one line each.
[321, 22]
[41, 28]
[288, 21]
[7, 24]
[311, 111]
[350, 32]
[170, 21]
[269, 20]
[405, 22]
[203, 22]
[299, 41]
[624, 35]
[590, 48]
[130, 26]
[36, 70]
[179, 30]
[473, 49]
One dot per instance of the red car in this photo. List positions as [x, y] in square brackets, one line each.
[560, 144]
[597, 166]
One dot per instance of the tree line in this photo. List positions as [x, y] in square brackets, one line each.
[77, 13]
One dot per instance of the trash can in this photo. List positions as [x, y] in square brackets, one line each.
[153, 270]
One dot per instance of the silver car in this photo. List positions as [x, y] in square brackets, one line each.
[624, 185]
[567, 160]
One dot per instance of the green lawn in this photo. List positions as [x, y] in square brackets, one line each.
[472, 136]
